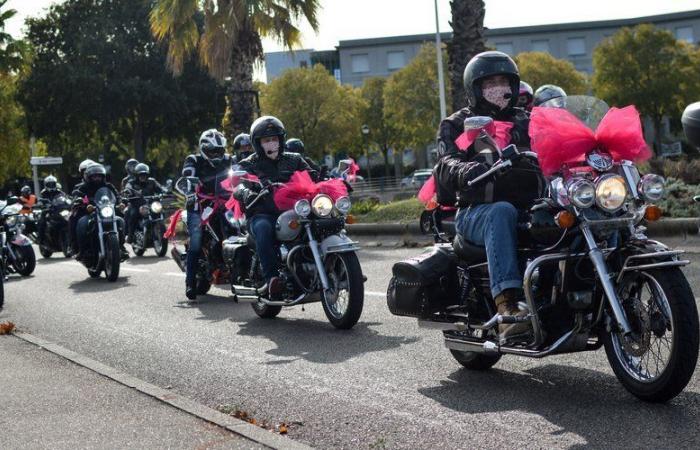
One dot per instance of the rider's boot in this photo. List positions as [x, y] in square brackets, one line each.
[507, 305]
[191, 292]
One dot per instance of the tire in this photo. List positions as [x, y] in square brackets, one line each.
[356, 292]
[683, 354]
[138, 251]
[266, 311]
[160, 244]
[112, 257]
[64, 240]
[28, 258]
[45, 252]
[475, 361]
[94, 273]
[203, 286]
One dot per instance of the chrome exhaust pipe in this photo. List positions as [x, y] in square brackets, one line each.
[178, 257]
[490, 347]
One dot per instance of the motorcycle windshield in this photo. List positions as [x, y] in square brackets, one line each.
[12, 209]
[587, 109]
[104, 196]
[186, 185]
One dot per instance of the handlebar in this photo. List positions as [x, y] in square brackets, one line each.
[508, 155]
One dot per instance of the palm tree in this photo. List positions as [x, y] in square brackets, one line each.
[230, 43]
[10, 50]
[467, 40]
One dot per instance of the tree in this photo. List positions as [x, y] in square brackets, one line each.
[316, 109]
[99, 82]
[645, 66]
[11, 51]
[230, 43]
[538, 68]
[14, 148]
[467, 41]
[383, 133]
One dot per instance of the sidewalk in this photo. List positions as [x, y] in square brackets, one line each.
[49, 402]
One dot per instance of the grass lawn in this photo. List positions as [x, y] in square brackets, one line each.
[403, 211]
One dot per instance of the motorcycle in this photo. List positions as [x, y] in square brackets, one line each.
[151, 225]
[57, 233]
[318, 262]
[103, 237]
[592, 277]
[16, 254]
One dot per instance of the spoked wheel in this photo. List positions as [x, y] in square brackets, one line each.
[343, 304]
[657, 360]
[139, 245]
[112, 257]
[160, 244]
[26, 260]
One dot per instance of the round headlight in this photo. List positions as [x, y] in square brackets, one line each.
[65, 213]
[107, 211]
[652, 187]
[10, 221]
[156, 207]
[322, 205]
[302, 208]
[582, 193]
[343, 205]
[611, 192]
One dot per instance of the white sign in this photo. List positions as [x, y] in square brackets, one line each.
[46, 160]
[673, 149]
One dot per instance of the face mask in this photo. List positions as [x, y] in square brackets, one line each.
[498, 95]
[271, 149]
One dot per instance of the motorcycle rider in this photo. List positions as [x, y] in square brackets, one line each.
[242, 147]
[297, 146]
[46, 196]
[129, 169]
[211, 166]
[492, 83]
[525, 97]
[546, 93]
[27, 199]
[271, 164]
[143, 184]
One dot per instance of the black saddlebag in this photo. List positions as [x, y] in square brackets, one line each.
[424, 284]
[237, 256]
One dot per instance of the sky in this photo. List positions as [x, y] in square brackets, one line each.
[356, 19]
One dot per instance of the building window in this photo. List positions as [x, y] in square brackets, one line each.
[541, 45]
[685, 34]
[576, 46]
[304, 64]
[505, 47]
[360, 63]
[395, 60]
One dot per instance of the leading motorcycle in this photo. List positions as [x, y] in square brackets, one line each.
[151, 224]
[592, 277]
[103, 236]
[16, 254]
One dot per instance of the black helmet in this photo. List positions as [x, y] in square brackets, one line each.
[26, 190]
[130, 165]
[95, 174]
[484, 65]
[267, 126]
[548, 92]
[212, 146]
[50, 183]
[295, 145]
[242, 140]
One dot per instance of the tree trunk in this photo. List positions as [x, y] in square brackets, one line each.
[241, 97]
[467, 40]
[398, 163]
[139, 140]
[385, 152]
[657, 134]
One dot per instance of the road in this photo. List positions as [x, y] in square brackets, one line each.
[384, 384]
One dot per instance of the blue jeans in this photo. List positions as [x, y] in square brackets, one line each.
[262, 227]
[194, 230]
[494, 227]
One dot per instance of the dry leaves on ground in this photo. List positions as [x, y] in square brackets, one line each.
[6, 327]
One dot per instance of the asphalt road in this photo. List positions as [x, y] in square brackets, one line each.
[384, 384]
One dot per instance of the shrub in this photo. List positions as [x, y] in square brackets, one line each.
[678, 201]
[364, 206]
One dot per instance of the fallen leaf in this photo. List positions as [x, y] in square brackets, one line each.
[6, 327]
[282, 428]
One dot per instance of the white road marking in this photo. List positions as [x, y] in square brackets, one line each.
[375, 294]
[133, 269]
[174, 274]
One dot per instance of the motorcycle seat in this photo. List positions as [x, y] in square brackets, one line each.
[468, 252]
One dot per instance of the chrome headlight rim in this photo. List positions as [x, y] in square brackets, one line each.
[607, 181]
[156, 207]
[343, 205]
[107, 211]
[646, 187]
[576, 190]
[302, 208]
[322, 205]
[11, 221]
[65, 213]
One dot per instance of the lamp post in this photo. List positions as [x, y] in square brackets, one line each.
[365, 138]
[441, 77]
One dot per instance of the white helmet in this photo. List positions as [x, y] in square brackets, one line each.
[212, 146]
[84, 165]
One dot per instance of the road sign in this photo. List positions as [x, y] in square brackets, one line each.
[46, 160]
[672, 149]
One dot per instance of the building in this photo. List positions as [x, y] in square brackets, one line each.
[362, 58]
[278, 62]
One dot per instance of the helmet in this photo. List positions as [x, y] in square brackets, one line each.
[295, 145]
[84, 165]
[266, 126]
[142, 171]
[130, 165]
[212, 146]
[25, 191]
[50, 183]
[548, 92]
[484, 65]
[525, 96]
[241, 140]
[95, 174]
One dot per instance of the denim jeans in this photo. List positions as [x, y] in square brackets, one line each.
[194, 230]
[262, 227]
[493, 226]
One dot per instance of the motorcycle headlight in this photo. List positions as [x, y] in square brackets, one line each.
[652, 187]
[107, 211]
[65, 213]
[322, 205]
[582, 193]
[302, 208]
[156, 207]
[11, 221]
[611, 192]
[343, 205]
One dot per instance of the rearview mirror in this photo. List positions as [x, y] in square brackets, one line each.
[691, 123]
[477, 122]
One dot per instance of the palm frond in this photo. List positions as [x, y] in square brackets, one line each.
[174, 21]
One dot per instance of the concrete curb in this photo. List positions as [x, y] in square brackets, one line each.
[185, 404]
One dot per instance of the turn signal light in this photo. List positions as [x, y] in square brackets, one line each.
[90, 208]
[350, 219]
[294, 224]
[432, 204]
[565, 219]
[653, 213]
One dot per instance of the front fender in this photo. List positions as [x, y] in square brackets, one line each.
[21, 240]
[338, 243]
[643, 254]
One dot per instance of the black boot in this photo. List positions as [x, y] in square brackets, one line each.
[191, 291]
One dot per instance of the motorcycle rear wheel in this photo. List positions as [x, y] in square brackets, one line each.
[45, 252]
[475, 361]
[26, 263]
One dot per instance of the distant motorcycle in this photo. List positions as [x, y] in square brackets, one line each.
[151, 225]
[57, 234]
[103, 237]
[17, 254]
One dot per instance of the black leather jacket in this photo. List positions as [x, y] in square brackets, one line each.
[89, 190]
[150, 187]
[47, 196]
[209, 175]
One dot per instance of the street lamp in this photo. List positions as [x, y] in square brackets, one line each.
[365, 136]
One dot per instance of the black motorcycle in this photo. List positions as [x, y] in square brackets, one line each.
[103, 252]
[151, 224]
[16, 254]
[56, 213]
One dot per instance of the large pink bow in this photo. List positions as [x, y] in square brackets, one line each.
[499, 131]
[301, 186]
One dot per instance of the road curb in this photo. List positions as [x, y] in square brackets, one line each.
[237, 426]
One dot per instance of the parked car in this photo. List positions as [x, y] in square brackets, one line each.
[416, 179]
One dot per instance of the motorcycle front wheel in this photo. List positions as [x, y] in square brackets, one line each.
[160, 244]
[26, 260]
[658, 359]
[343, 306]
[112, 257]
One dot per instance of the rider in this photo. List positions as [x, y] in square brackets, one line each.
[46, 196]
[548, 92]
[143, 184]
[270, 164]
[129, 169]
[492, 83]
[27, 199]
[242, 147]
[211, 166]
[525, 97]
[297, 146]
